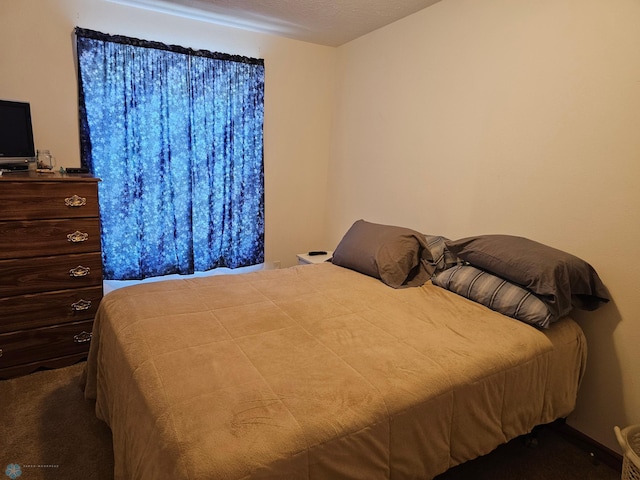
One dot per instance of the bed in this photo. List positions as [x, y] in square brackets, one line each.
[318, 372]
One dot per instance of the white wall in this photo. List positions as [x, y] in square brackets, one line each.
[37, 64]
[508, 116]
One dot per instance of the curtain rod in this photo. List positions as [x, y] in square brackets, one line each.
[95, 35]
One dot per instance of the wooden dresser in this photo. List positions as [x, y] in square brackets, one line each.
[50, 269]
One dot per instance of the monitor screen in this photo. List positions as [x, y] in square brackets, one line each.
[16, 134]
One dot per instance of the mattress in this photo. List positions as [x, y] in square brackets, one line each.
[318, 372]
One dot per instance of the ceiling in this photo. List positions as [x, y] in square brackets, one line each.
[325, 22]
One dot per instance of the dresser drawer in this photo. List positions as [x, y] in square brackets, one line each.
[44, 343]
[23, 239]
[50, 308]
[36, 200]
[41, 274]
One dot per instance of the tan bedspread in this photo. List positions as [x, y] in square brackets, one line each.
[317, 372]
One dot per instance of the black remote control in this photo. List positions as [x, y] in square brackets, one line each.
[313, 253]
[77, 170]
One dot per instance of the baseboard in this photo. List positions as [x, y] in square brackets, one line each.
[598, 452]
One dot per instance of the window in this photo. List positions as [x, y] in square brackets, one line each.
[176, 136]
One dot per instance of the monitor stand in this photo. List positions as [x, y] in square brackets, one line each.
[15, 168]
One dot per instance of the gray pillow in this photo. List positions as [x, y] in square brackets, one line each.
[392, 254]
[495, 293]
[560, 279]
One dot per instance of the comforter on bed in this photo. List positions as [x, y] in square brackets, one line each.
[317, 372]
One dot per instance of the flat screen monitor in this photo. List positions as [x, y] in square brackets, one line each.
[16, 134]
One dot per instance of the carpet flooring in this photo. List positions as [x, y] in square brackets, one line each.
[49, 431]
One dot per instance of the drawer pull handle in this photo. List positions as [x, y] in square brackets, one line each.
[77, 237]
[79, 271]
[75, 201]
[82, 337]
[81, 305]
[0, 352]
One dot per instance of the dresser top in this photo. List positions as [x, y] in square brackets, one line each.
[31, 175]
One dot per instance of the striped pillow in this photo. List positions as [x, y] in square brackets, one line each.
[437, 256]
[496, 293]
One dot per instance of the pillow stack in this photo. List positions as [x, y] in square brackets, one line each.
[513, 275]
[522, 278]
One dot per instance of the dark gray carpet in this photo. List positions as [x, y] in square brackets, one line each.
[551, 458]
[51, 432]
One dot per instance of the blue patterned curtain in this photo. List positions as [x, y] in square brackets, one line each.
[176, 137]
